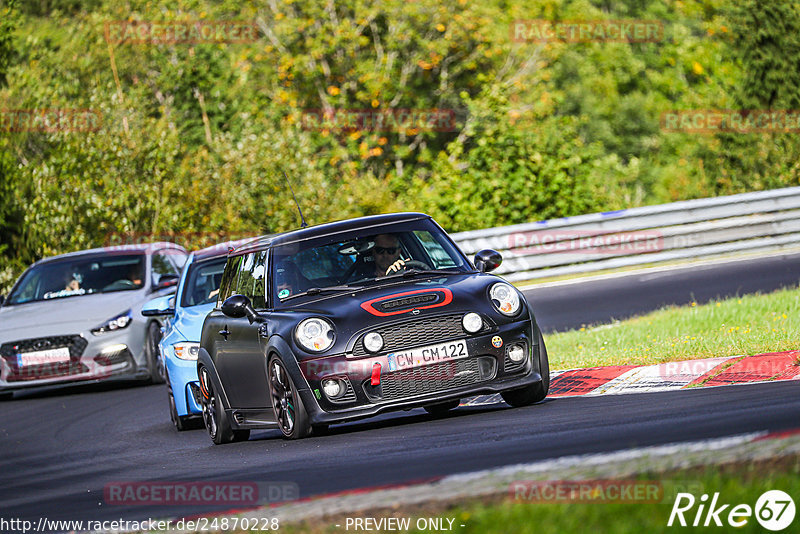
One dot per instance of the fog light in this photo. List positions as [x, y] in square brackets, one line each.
[472, 322]
[516, 353]
[373, 342]
[331, 387]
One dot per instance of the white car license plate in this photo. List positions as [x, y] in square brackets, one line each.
[443, 352]
[42, 357]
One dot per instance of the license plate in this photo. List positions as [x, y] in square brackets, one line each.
[443, 352]
[42, 357]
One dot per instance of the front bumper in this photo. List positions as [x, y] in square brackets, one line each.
[182, 377]
[487, 369]
[114, 355]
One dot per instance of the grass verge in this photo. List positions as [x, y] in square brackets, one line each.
[751, 324]
[737, 483]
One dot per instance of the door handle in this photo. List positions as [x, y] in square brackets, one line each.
[224, 333]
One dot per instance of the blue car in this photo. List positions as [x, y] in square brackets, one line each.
[186, 311]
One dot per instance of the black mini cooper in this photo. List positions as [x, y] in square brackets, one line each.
[350, 319]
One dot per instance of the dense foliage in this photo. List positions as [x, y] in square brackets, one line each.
[195, 137]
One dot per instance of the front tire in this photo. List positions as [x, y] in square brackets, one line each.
[290, 413]
[154, 365]
[214, 416]
[535, 392]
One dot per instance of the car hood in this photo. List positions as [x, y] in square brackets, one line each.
[189, 321]
[447, 293]
[65, 316]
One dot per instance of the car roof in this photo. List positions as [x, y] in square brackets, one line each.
[221, 249]
[137, 248]
[320, 230]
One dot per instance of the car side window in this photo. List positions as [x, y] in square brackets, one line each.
[229, 279]
[251, 278]
[259, 274]
[161, 266]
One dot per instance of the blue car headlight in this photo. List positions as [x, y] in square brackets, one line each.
[186, 350]
[115, 323]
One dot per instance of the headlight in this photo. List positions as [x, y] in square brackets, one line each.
[373, 342]
[472, 322]
[314, 334]
[117, 323]
[505, 298]
[186, 351]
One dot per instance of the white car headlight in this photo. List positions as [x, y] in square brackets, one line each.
[505, 298]
[186, 351]
[116, 323]
[314, 334]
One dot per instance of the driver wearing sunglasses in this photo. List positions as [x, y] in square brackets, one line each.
[386, 255]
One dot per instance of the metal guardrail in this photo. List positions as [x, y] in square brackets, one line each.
[702, 228]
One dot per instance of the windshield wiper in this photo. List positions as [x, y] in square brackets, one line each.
[318, 290]
[408, 273]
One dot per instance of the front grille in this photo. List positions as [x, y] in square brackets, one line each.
[76, 345]
[415, 333]
[434, 378]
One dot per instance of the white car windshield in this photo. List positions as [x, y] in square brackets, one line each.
[81, 275]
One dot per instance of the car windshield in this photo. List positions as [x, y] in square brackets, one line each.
[202, 282]
[81, 275]
[359, 257]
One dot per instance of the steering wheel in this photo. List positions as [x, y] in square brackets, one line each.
[119, 284]
[413, 264]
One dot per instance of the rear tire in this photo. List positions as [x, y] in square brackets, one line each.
[216, 420]
[290, 412]
[154, 365]
[535, 392]
[442, 408]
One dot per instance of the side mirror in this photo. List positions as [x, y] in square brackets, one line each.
[238, 306]
[167, 280]
[487, 260]
[159, 307]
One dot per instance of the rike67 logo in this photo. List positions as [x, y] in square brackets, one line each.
[774, 510]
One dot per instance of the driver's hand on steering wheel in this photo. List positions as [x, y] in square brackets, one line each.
[397, 265]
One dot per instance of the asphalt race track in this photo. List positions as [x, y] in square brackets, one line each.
[61, 447]
[575, 305]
